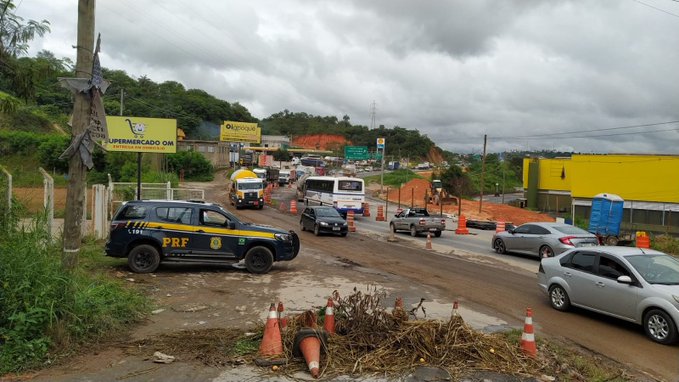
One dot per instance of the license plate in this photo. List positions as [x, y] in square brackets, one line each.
[335, 228]
[587, 244]
[432, 229]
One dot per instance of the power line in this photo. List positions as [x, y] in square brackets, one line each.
[658, 9]
[588, 130]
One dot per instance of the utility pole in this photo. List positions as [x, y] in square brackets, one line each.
[483, 170]
[77, 171]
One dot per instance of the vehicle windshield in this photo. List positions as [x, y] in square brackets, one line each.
[656, 269]
[250, 186]
[570, 230]
[327, 212]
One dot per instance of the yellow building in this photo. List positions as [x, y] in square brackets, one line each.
[649, 184]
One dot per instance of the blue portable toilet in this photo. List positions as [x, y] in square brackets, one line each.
[606, 215]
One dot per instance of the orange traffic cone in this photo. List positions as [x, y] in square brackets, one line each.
[293, 207]
[462, 226]
[528, 336]
[499, 226]
[308, 343]
[366, 209]
[428, 245]
[282, 319]
[380, 214]
[455, 306]
[329, 322]
[350, 221]
[271, 347]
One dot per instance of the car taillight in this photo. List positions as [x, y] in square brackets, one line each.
[567, 240]
[422, 221]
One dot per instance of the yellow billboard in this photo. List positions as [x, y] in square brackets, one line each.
[232, 131]
[135, 134]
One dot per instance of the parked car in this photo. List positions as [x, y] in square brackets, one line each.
[542, 239]
[632, 284]
[150, 232]
[323, 219]
[416, 221]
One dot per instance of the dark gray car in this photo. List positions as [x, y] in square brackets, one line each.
[632, 284]
[323, 219]
[542, 239]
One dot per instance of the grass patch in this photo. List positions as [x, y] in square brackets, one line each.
[46, 312]
[395, 178]
[666, 243]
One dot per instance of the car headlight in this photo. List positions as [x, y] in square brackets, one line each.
[282, 236]
[324, 224]
[344, 224]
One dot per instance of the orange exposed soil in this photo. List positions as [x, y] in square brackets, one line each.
[415, 190]
[320, 141]
[33, 198]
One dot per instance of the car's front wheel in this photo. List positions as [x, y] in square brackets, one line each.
[546, 251]
[499, 246]
[437, 233]
[659, 327]
[258, 259]
[558, 298]
[143, 258]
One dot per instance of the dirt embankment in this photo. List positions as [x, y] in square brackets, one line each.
[414, 193]
[320, 141]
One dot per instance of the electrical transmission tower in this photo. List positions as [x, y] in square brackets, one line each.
[373, 112]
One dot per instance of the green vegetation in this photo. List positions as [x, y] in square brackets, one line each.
[45, 312]
[666, 243]
[395, 178]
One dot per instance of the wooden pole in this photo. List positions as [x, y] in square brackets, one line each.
[77, 171]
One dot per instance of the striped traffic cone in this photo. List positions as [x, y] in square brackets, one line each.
[428, 244]
[329, 321]
[455, 306]
[271, 348]
[528, 336]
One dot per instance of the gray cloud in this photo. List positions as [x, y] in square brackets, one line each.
[455, 70]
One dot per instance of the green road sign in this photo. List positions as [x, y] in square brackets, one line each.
[356, 152]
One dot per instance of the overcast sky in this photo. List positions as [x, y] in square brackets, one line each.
[562, 75]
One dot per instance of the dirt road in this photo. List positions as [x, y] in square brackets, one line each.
[492, 296]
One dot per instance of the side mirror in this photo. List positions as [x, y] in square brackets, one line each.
[624, 279]
[511, 230]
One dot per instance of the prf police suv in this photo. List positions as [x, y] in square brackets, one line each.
[148, 232]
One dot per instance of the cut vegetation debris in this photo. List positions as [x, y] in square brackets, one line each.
[374, 340]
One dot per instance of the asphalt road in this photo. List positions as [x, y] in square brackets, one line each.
[502, 285]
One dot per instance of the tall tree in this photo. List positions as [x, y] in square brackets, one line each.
[15, 32]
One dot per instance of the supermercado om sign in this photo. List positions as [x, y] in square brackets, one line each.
[149, 135]
[232, 131]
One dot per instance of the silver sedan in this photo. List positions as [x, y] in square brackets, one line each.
[542, 239]
[632, 284]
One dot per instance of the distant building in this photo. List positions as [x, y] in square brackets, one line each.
[649, 184]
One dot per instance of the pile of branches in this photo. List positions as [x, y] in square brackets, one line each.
[371, 339]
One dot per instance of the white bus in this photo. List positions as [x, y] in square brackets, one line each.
[344, 193]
